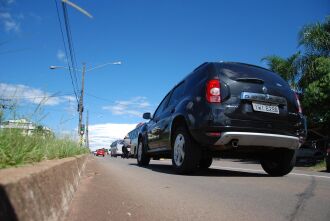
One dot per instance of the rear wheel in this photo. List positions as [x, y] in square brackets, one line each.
[279, 162]
[205, 162]
[142, 158]
[185, 152]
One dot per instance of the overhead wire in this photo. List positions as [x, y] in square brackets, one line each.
[66, 52]
[70, 41]
[99, 98]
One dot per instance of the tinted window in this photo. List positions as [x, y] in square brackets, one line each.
[162, 105]
[114, 144]
[177, 94]
[238, 70]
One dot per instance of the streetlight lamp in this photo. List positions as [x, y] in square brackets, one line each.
[81, 98]
[89, 69]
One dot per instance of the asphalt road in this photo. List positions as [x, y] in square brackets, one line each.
[117, 189]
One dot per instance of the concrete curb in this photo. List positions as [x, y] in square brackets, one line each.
[40, 192]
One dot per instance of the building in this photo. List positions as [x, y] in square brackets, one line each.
[26, 126]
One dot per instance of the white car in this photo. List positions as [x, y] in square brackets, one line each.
[116, 148]
[133, 140]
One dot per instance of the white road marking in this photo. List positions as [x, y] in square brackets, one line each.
[310, 175]
[261, 171]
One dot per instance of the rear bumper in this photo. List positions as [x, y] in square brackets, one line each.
[258, 139]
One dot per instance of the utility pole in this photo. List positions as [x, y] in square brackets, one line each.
[87, 138]
[81, 126]
[81, 129]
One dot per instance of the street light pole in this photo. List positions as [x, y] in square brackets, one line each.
[81, 105]
[81, 129]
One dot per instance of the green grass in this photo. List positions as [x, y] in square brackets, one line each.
[17, 149]
[320, 166]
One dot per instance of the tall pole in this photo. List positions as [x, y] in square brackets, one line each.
[87, 138]
[81, 105]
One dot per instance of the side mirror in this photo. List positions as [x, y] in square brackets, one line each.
[147, 116]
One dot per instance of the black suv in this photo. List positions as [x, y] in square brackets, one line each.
[225, 109]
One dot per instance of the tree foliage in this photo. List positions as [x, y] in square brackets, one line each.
[286, 67]
[315, 38]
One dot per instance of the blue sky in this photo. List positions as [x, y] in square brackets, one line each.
[159, 43]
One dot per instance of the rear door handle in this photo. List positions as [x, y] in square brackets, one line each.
[173, 110]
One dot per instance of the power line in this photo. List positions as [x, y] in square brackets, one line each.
[66, 53]
[99, 98]
[70, 41]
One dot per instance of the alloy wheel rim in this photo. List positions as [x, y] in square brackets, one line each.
[179, 153]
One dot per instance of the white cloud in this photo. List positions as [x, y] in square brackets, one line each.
[61, 56]
[31, 95]
[102, 135]
[136, 106]
[9, 23]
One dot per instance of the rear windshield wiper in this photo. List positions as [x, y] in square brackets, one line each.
[252, 80]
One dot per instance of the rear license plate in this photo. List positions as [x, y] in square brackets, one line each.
[268, 108]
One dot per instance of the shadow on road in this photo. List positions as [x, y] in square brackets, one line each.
[211, 172]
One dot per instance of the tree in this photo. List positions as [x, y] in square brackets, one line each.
[286, 67]
[316, 99]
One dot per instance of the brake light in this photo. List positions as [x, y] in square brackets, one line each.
[213, 91]
[213, 134]
[298, 102]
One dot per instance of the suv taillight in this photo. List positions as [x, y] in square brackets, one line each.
[298, 102]
[213, 91]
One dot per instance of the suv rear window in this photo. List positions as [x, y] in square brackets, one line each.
[236, 70]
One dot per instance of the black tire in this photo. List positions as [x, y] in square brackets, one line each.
[279, 162]
[327, 162]
[188, 163]
[205, 162]
[142, 159]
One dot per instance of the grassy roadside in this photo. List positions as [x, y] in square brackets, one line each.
[321, 166]
[17, 149]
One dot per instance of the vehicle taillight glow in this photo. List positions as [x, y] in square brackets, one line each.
[298, 102]
[213, 134]
[213, 91]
